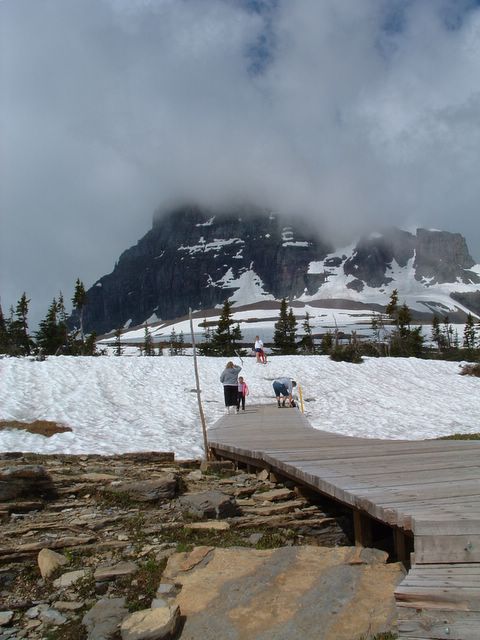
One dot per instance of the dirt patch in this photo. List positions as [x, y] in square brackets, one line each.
[41, 427]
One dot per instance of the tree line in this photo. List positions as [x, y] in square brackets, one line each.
[53, 336]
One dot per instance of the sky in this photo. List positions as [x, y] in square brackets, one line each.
[355, 114]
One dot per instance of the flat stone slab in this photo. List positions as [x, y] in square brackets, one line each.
[313, 593]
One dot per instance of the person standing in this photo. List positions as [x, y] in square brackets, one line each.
[243, 392]
[229, 379]
[259, 353]
[283, 388]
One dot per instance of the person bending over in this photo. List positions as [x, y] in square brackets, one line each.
[283, 388]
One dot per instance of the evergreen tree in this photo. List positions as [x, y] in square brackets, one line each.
[181, 344]
[90, 345]
[404, 318]
[173, 348]
[281, 332]
[118, 349]
[48, 334]
[306, 343]
[326, 344]
[148, 349]
[469, 334]
[392, 307]
[225, 339]
[447, 332]
[205, 347]
[437, 337]
[292, 333]
[62, 326]
[4, 334]
[20, 339]
[79, 301]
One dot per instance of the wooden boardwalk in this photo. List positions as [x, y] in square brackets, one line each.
[427, 491]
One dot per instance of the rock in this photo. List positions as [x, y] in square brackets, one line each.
[30, 481]
[255, 538]
[115, 571]
[35, 611]
[48, 561]
[194, 475]
[6, 617]
[67, 579]
[50, 616]
[104, 618]
[274, 495]
[158, 602]
[213, 525]
[263, 475]
[164, 488]
[151, 624]
[166, 589]
[290, 592]
[275, 509]
[214, 466]
[75, 605]
[209, 504]
[179, 562]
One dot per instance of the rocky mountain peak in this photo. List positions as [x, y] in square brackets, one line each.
[198, 258]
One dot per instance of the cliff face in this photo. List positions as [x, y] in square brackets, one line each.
[193, 258]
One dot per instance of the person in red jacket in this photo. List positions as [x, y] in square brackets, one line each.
[242, 393]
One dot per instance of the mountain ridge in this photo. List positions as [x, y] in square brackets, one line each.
[197, 258]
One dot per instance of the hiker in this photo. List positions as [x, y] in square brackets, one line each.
[229, 379]
[283, 388]
[242, 392]
[259, 352]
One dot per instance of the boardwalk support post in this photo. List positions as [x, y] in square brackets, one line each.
[362, 527]
[197, 384]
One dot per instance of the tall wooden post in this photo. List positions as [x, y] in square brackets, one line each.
[197, 384]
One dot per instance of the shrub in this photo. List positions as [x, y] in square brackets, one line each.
[346, 353]
[470, 370]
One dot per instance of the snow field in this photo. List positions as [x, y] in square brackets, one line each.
[120, 404]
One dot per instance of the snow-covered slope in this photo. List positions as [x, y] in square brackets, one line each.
[119, 404]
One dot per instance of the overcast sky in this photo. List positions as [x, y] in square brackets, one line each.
[356, 113]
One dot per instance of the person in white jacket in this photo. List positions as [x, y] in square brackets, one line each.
[229, 379]
[258, 348]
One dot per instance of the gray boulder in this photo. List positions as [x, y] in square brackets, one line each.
[25, 481]
[209, 504]
[164, 488]
[104, 618]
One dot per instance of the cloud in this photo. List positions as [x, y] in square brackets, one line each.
[357, 114]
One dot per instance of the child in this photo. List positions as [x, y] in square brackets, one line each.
[242, 393]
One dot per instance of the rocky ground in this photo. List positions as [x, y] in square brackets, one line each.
[139, 546]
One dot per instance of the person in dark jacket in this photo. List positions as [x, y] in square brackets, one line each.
[283, 388]
[229, 379]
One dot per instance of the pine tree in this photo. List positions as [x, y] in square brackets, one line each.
[62, 327]
[173, 348]
[4, 334]
[280, 335]
[90, 345]
[326, 344]
[48, 334]
[307, 344]
[205, 347]
[292, 333]
[437, 333]
[20, 339]
[404, 318]
[148, 349]
[181, 344]
[225, 339]
[469, 334]
[392, 307]
[447, 332]
[79, 301]
[118, 349]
